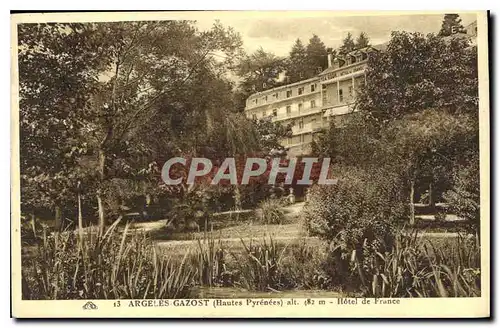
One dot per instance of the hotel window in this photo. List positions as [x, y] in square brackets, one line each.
[325, 97]
[276, 95]
[300, 107]
[254, 116]
[275, 112]
[313, 104]
[301, 124]
[313, 87]
[288, 110]
[288, 93]
[289, 140]
[341, 95]
[301, 90]
[350, 91]
[264, 99]
[264, 114]
[302, 138]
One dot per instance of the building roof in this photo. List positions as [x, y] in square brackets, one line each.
[284, 86]
[380, 47]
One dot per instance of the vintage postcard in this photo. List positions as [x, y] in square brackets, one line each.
[277, 164]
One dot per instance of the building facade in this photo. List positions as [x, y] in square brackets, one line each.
[310, 105]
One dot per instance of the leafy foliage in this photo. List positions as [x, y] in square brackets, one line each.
[125, 96]
[416, 73]
[464, 197]
[259, 71]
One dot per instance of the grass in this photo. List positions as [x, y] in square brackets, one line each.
[234, 227]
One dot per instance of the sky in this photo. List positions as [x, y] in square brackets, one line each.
[277, 31]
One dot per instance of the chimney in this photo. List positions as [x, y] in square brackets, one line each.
[330, 58]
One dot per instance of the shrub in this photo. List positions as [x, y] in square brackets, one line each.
[113, 266]
[357, 216]
[271, 211]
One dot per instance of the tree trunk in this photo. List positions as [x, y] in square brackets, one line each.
[58, 223]
[102, 168]
[101, 212]
[412, 204]
[432, 203]
[237, 198]
[33, 224]
[80, 217]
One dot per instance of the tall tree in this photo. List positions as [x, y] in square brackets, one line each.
[57, 75]
[257, 72]
[362, 41]
[148, 78]
[317, 56]
[452, 24]
[298, 67]
[348, 45]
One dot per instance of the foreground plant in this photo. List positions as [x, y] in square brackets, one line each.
[413, 269]
[115, 265]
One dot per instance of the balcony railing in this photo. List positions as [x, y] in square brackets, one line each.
[307, 128]
[295, 114]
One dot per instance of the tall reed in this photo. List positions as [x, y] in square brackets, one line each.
[418, 268]
[115, 265]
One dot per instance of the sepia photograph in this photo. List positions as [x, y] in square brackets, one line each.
[266, 164]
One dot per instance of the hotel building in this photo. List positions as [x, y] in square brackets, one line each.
[311, 104]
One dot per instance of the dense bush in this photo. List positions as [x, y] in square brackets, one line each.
[357, 215]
